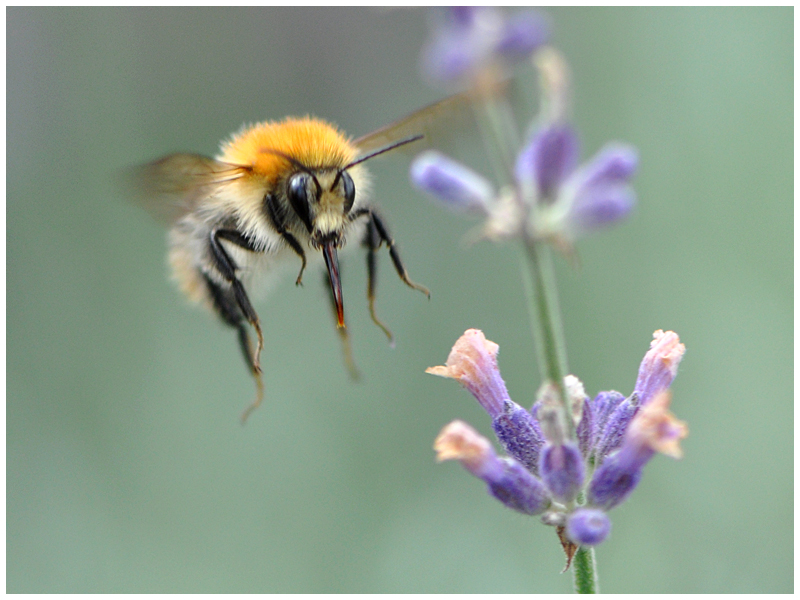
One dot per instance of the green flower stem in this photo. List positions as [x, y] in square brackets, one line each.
[548, 333]
[585, 569]
[499, 132]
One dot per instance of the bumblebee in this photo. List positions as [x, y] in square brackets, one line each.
[277, 191]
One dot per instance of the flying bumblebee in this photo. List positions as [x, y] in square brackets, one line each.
[277, 190]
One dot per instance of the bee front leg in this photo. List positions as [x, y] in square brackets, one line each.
[274, 212]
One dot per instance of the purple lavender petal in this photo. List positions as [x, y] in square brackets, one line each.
[599, 206]
[460, 44]
[548, 159]
[617, 477]
[449, 58]
[523, 33]
[464, 17]
[520, 434]
[451, 182]
[507, 480]
[588, 526]
[473, 362]
[614, 163]
[518, 489]
[562, 470]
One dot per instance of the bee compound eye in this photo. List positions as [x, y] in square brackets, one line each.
[349, 191]
[297, 192]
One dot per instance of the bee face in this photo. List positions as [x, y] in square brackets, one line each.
[322, 201]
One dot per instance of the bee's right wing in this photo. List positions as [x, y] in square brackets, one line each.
[437, 123]
[172, 186]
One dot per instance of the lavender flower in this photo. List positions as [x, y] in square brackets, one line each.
[550, 196]
[467, 42]
[653, 430]
[614, 437]
[473, 362]
[574, 201]
[450, 181]
[571, 458]
[507, 480]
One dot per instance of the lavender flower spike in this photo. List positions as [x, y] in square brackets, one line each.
[449, 181]
[588, 526]
[659, 366]
[507, 480]
[473, 362]
[653, 429]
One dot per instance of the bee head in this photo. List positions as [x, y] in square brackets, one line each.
[322, 200]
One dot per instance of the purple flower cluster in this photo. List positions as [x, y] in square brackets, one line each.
[550, 196]
[572, 482]
[469, 42]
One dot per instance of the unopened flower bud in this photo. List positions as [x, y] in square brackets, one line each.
[561, 468]
[588, 526]
[452, 183]
[659, 366]
[520, 434]
[615, 426]
[585, 429]
[547, 160]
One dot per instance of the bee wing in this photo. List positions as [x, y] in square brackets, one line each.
[436, 122]
[172, 186]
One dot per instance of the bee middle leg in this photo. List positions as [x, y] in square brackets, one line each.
[377, 234]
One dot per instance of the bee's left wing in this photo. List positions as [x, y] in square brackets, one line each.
[172, 186]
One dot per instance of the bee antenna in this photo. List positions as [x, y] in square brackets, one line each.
[361, 159]
[409, 140]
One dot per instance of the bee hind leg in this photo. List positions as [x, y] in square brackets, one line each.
[372, 241]
[377, 234]
[228, 310]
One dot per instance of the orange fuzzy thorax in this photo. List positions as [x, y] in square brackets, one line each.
[312, 142]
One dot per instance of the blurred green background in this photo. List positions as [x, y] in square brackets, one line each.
[127, 467]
